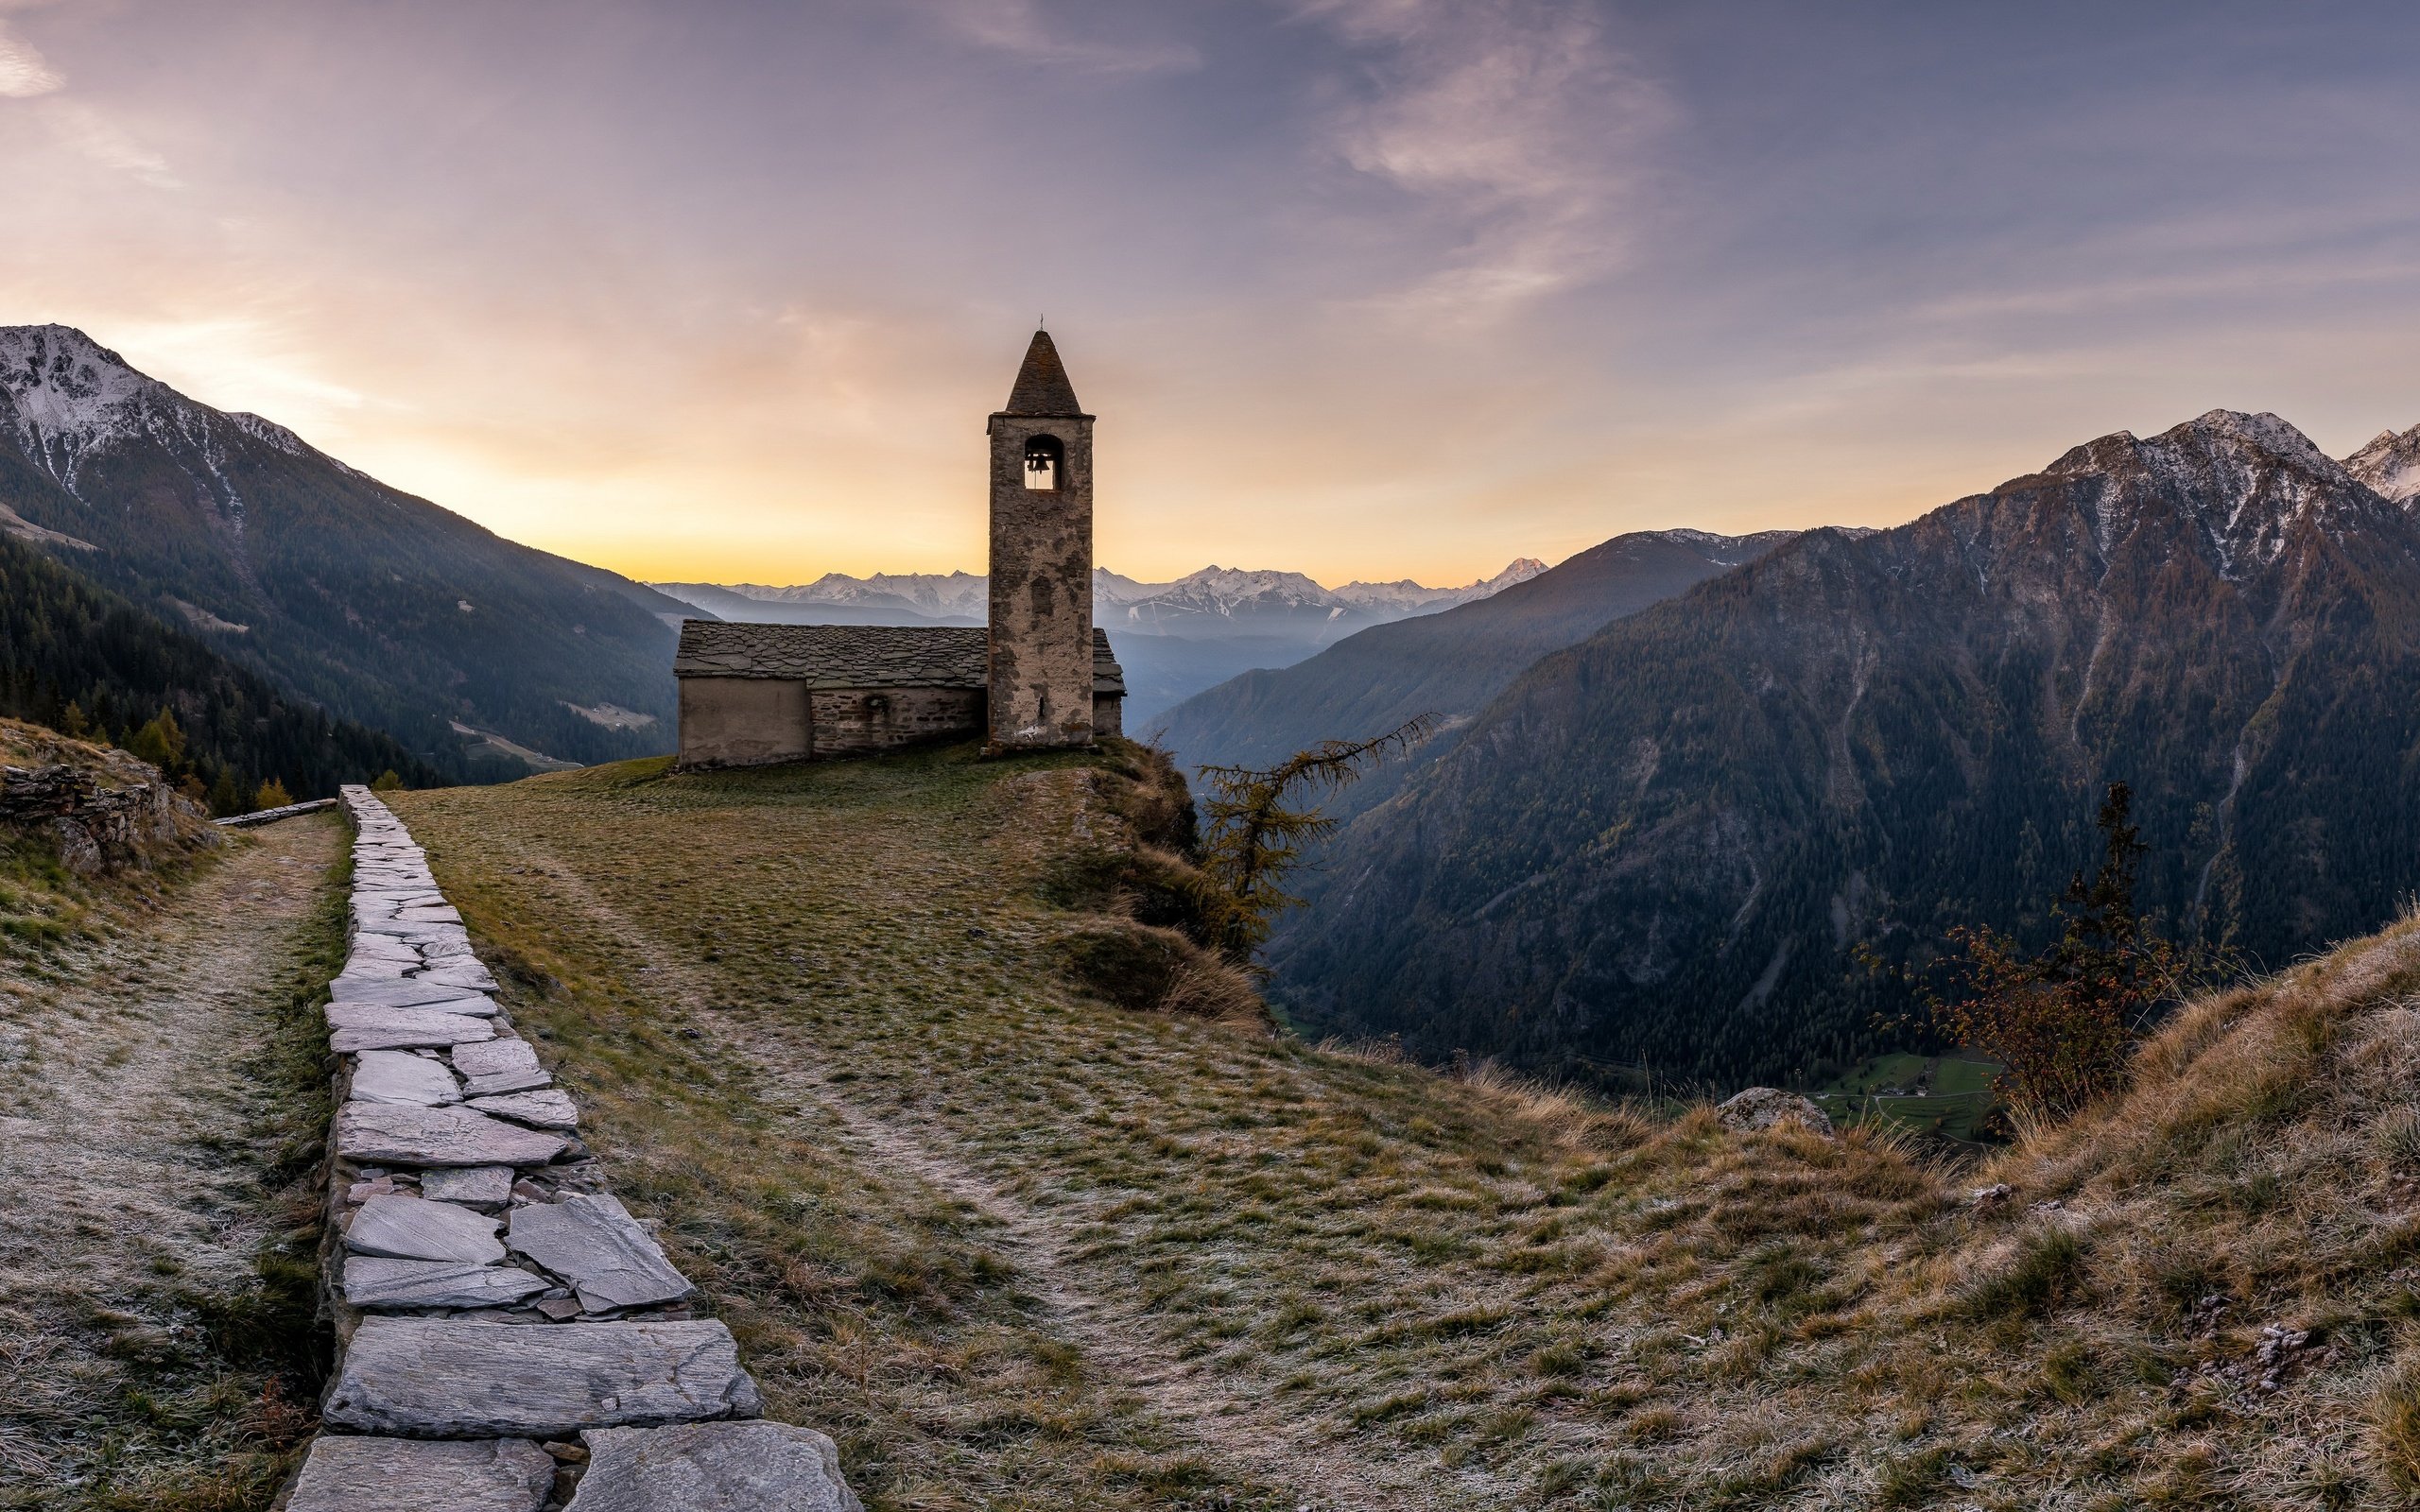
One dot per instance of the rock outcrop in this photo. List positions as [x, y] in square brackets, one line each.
[1761, 1108]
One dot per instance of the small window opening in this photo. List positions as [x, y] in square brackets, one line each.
[1043, 458]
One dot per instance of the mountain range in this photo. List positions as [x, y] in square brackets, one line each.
[1174, 638]
[1665, 844]
[1446, 664]
[481, 655]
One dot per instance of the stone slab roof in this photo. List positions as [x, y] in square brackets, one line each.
[1041, 387]
[858, 656]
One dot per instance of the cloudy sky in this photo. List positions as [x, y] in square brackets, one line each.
[723, 290]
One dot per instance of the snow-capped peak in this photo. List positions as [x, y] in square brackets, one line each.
[2390, 465]
[2246, 482]
[68, 398]
[70, 387]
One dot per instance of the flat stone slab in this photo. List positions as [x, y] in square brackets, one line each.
[476, 1186]
[432, 1377]
[547, 1109]
[499, 1066]
[392, 1134]
[425, 936]
[417, 1228]
[345, 1474]
[503, 1082]
[375, 1280]
[358, 1028]
[400, 1076]
[462, 972]
[731, 1467]
[407, 992]
[593, 1243]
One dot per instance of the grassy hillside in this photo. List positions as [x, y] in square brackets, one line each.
[1015, 1249]
[45, 899]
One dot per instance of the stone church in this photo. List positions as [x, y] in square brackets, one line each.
[1039, 675]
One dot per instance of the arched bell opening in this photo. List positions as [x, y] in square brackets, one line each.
[1046, 462]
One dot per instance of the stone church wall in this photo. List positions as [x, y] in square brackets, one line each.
[743, 721]
[853, 721]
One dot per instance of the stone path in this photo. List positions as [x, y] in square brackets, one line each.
[492, 1300]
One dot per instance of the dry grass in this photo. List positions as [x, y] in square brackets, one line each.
[1016, 1247]
[161, 1101]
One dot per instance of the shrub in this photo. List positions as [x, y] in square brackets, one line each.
[2064, 1022]
[1156, 969]
[272, 794]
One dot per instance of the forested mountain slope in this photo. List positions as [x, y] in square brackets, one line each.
[1450, 664]
[1665, 844]
[67, 641]
[377, 605]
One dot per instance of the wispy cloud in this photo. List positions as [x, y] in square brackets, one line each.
[1518, 121]
[24, 72]
[1019, 29]
[27, 75]
[95, 135]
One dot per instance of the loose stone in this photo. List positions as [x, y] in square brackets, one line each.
[467, 974]
[375, 1280]
[400, 1076]
[594, 1244]
[437, 1135]
[352, 1475]
[478, 1186]
[499, 1066]
[409, 992]
[455, 1377]
[359, 1028]
[745, 1467]
[546, 1109]
[418, 1229]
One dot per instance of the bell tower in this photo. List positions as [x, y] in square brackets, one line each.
[1040, 663]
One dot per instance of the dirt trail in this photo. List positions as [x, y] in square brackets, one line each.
[131, 1126]
[1237, 1423]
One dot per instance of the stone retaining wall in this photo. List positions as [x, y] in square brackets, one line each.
[508, 1338]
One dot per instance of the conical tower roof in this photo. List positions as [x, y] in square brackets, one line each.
[1041, 387]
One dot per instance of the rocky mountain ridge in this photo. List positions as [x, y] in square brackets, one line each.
[2390, 464]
